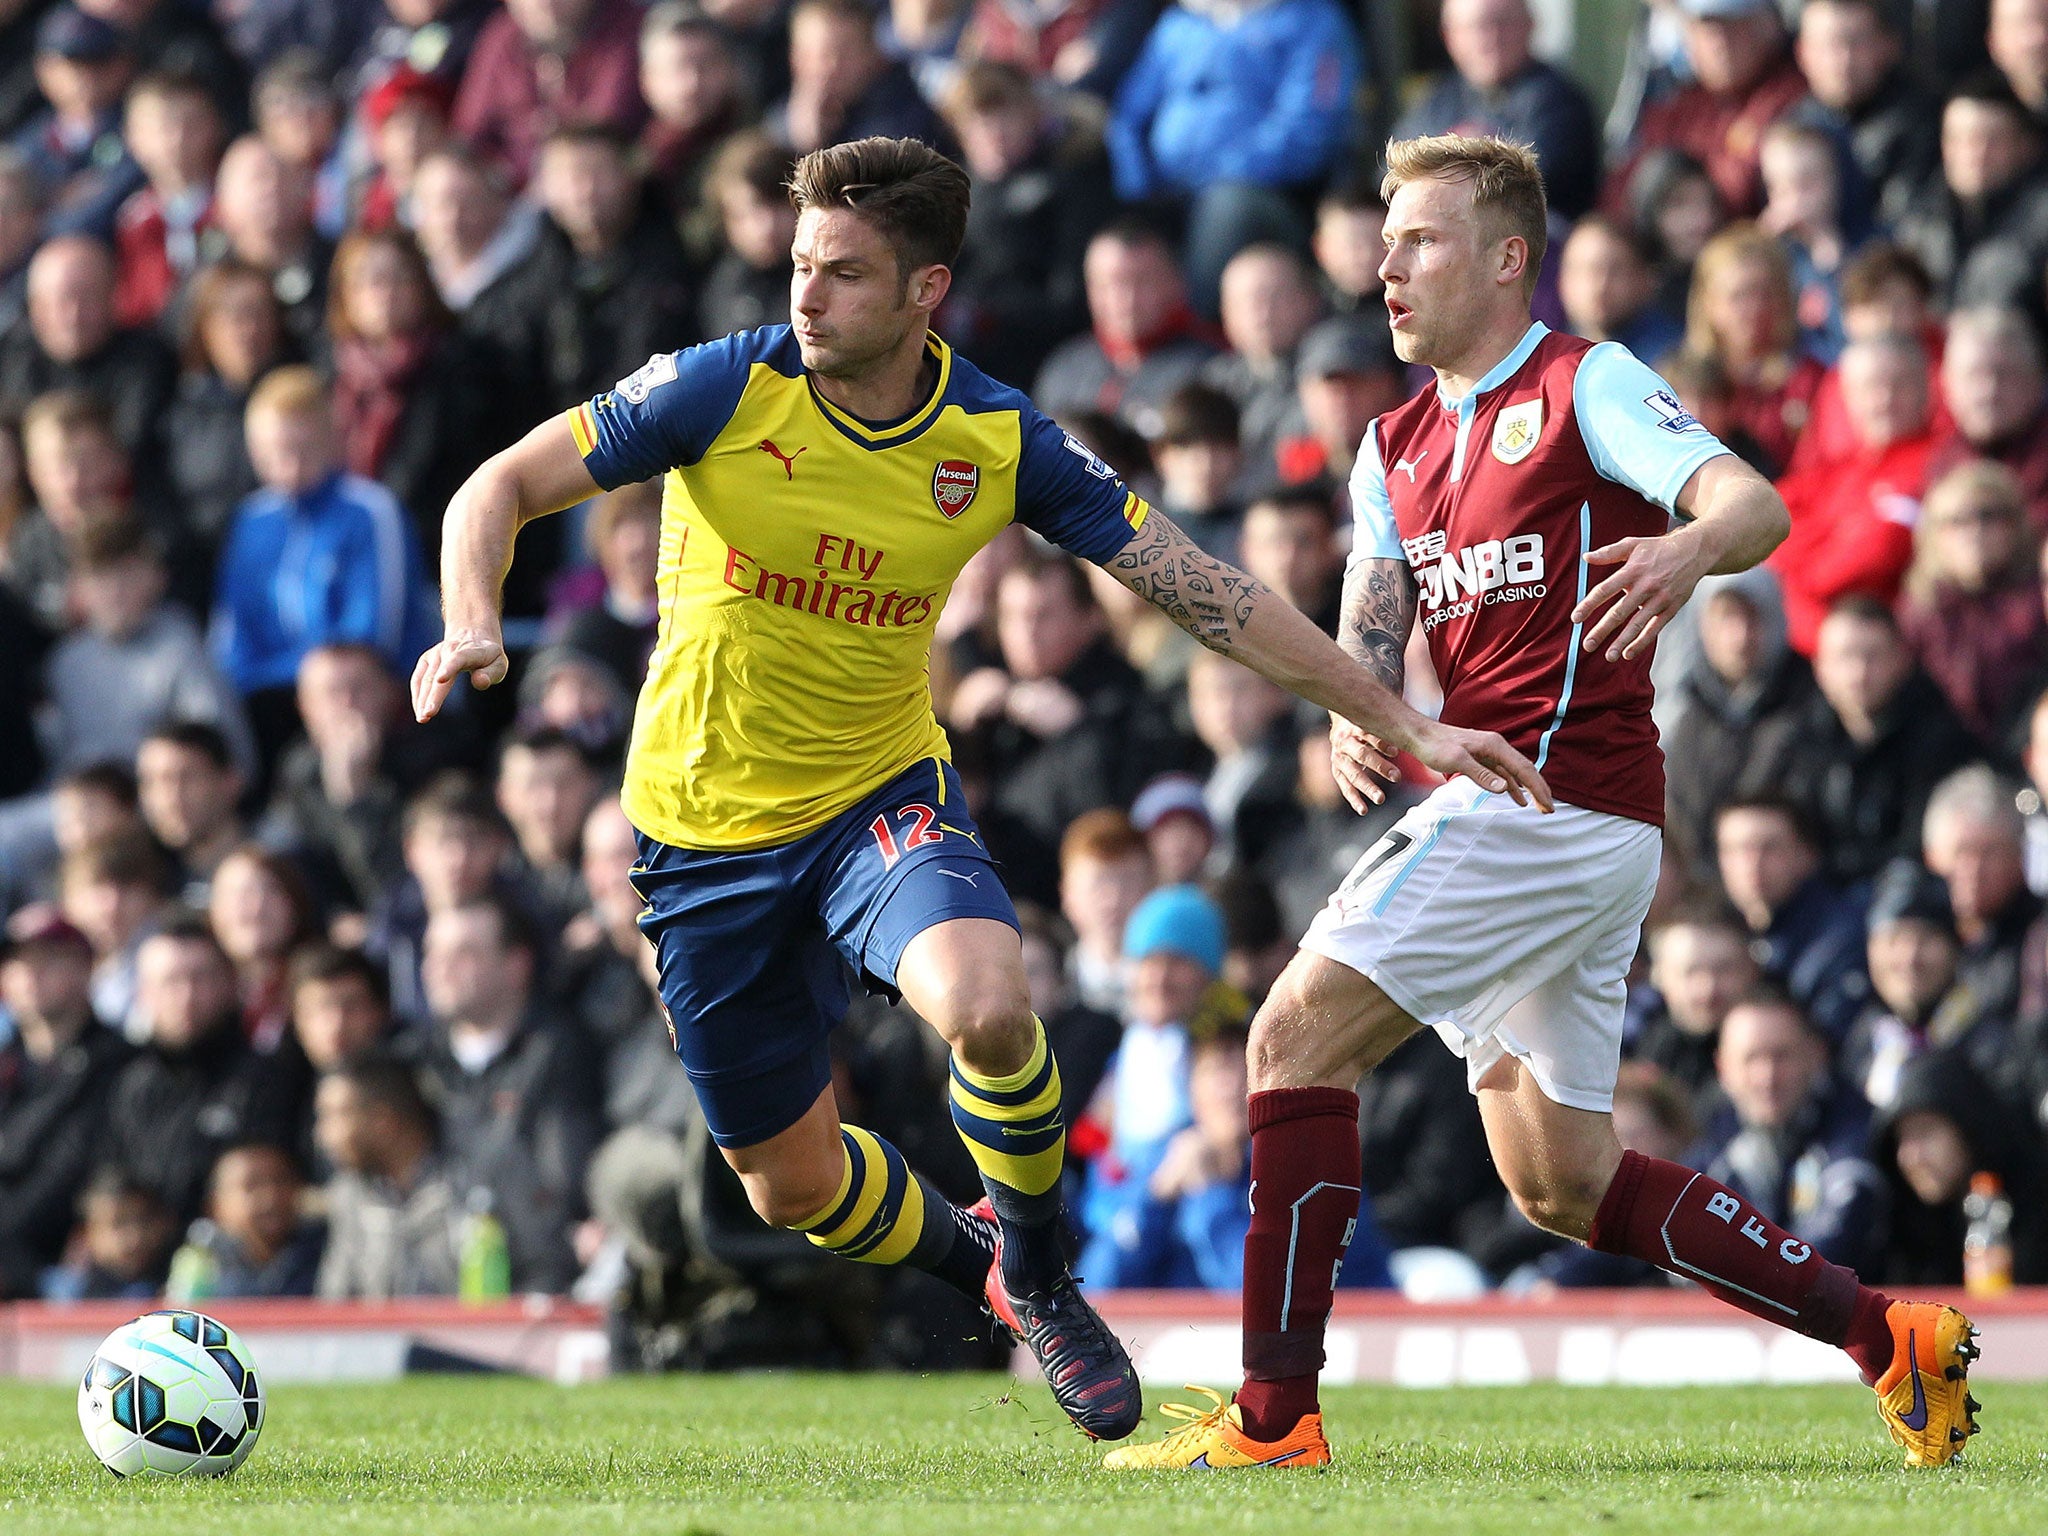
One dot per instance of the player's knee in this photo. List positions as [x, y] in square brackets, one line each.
[1563, 1203]
[789, 1197]
[990, 1026]
[1265, 1052]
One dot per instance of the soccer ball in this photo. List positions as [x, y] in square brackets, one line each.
[173, 1393]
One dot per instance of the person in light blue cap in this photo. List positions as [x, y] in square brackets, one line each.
[1173, 954]
[1169, 1204]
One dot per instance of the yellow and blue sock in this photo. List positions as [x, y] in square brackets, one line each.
[1013, 1127]
[883, 1213]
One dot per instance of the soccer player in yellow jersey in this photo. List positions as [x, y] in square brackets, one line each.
[824, 483]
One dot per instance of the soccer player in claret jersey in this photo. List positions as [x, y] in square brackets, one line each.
[1524, 507]
[798, 819]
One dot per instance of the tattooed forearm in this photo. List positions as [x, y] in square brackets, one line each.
[1249, 622]
[1378, 612]
[1211, 600]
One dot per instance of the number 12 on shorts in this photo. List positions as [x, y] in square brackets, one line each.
[919, 831]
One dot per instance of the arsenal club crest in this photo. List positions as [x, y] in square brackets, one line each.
[1515, 431]
[954, 482]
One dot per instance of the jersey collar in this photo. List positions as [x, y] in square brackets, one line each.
[1501, 371]
[888, 434]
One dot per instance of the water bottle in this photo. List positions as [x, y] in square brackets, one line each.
[486, 1257]
[1987, 1241]
[195, 1273]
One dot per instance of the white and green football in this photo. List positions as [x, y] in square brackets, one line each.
[173, 1393]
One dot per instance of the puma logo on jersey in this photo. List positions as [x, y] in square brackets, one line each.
[1411, 465]
[787, 460]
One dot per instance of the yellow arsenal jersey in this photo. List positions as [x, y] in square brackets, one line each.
[805, 555]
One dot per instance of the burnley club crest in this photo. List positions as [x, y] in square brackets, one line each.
[1515, 431]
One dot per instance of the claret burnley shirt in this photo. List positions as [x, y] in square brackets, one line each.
[1492, 501]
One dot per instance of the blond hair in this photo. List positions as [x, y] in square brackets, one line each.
[294, 390]
[1731, 248]
[1507, 183]
[1969, 483]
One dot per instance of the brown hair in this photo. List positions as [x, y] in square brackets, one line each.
[1105, 835]
[1661, 1098]
[114, 539]
[640, 499]
[353, 248]
[1197, 413]
[1732, 247]
[283, 874]
[119, 858]
[172, 85]
[1877, 267]
[750, 161]
[1055, 565]
[67, 412]
[453, 795]
[1507, 183]
[320, 961]
[989, 85]
[908, 191]
[209, 291]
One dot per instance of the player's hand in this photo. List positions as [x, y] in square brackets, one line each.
[1360, 762]
[1045, 707]
[473, 651]
[1656, 577]
[977, 698]
[1486, 759]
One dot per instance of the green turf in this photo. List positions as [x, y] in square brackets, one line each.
[951, 1456]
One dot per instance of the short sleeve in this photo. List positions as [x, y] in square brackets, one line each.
[1070, 496]
[666, 413]
[1634, 427]
[1373, 536]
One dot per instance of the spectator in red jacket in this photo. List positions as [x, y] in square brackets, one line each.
[1743, 81]
[1885, 292]
[1993, 381]
[1972, 609]
[1741, 316]
[1852, 520]
[548, 62]
[407, 119]
[162, 231]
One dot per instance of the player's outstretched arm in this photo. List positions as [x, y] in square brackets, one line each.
[539, 474]
[1243, 619]
[1736, 520]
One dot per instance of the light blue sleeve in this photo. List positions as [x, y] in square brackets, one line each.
[1374, 536]
[1634, 427]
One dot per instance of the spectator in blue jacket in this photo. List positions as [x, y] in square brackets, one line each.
[1790, 1141]
[1807, 934]
[1232, 104]
[74, 146]
[316, 556]
[1495, 85]
[1186, 1222]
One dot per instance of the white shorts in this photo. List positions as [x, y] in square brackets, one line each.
[1473, 905]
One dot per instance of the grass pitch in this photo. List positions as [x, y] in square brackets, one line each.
[959, 1456]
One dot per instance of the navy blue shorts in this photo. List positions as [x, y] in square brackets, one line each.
[755, 944]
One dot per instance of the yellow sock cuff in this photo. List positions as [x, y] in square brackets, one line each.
[877, 1216]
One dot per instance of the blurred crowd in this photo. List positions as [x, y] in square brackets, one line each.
[298, 996]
